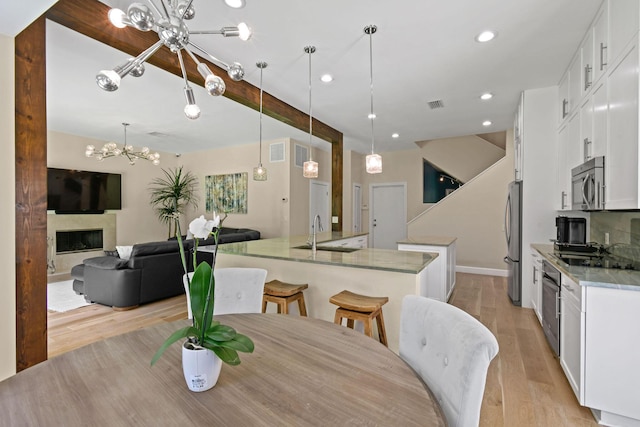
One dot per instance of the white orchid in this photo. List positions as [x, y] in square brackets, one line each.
[201, 228]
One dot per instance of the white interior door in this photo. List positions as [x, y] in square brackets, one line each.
[319, 204]
[388, 215]
[357, 208]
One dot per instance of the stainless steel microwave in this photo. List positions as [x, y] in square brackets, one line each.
[587, 185]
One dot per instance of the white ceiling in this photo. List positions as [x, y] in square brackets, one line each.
[424, 50]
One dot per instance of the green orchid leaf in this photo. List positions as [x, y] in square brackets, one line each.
[199, 293]
[239, 343]
[185, 332]
[221, 333]
[227, 355]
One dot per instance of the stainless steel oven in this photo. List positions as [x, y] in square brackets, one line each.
[551, 305]
[587, 185]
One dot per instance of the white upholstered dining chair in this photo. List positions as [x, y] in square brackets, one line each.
[238, 290]
[451, 351]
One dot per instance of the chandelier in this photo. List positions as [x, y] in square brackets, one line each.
[110, 149]
[169, 24]
[373, 162]
[310, 168]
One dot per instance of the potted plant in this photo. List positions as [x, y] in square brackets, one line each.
[208, 342]
[171, 194]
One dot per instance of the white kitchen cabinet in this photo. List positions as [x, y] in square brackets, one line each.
[586, 69]
[517, 140]
[442, 271]
[624, 17]
[586, 129]
[600, 42]
[593, 123]
[572, 327]
[575, 83]
[568, 152]
[612, 370]
[536, 284]
[563, 98]
[621, 160]
[598, 146]
[562, 201]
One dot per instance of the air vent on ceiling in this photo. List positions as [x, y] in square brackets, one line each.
[276, 152]
[159, 134]
[436, 104]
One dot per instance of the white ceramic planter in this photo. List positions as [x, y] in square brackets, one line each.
[201, 368]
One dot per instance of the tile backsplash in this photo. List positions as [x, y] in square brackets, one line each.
[623, 229]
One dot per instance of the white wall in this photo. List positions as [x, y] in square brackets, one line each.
[475, 215]
[136, 222]
[276, 207]
[7, 212]
[461, 157]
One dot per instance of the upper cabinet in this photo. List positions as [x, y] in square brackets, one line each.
[598, 101]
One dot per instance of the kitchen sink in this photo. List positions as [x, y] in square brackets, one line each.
[328, 248]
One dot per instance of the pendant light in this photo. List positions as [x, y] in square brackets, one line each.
[373, 162]
[310, 168]
[259, 172]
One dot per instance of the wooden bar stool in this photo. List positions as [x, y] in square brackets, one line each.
[363, 308]
[283, 294]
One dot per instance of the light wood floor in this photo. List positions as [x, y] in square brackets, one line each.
[525, 384]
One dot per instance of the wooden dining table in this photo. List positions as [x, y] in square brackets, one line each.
[303, 372]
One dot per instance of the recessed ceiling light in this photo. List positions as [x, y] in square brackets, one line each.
[486, 36]
[486, 123]
[236, 4]
[326, 78]
[486, 96]
[395, 135]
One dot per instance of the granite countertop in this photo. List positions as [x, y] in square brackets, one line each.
[428, 240]
[592, 276]
[283, 248]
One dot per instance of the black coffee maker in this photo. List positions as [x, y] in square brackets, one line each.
[571, 231]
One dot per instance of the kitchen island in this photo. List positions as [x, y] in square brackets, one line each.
[368, 271]
[599, 310]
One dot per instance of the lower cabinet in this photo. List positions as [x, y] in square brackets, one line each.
[600, 349]
[612, 347]
[536, 284]
[572, 326]
[441, 272]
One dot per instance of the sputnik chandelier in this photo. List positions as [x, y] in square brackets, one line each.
[169, 23]
[110, 149]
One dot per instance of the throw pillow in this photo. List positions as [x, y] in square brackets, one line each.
[124, 252]
[111, 253]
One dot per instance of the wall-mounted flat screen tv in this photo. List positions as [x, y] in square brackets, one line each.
[74, 191]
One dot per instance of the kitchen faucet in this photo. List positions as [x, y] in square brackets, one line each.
[314, 231]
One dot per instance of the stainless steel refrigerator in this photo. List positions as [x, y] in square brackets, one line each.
[513, 233]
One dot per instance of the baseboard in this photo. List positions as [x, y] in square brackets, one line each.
[481, 270]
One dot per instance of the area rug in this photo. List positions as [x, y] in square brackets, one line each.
[61, 297]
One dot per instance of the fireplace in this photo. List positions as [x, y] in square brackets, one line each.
[78, 241]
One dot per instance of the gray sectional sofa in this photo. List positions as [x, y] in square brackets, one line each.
[153, 272]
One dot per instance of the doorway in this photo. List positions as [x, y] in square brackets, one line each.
[319, 205]
[387, 215]
[357, 208]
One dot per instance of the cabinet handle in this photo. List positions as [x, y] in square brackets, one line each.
[603, 47]
[587, 149]
[565, 104]
[567, 288]
[558, 305]
[587, 73]
[534, 275]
